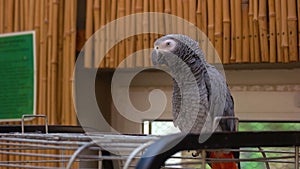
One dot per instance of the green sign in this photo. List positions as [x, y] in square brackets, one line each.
[17, 75]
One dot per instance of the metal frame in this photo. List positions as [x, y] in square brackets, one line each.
[163, 149]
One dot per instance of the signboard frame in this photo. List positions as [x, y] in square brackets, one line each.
[17, 34]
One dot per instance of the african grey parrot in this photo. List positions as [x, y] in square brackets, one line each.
[200, 92]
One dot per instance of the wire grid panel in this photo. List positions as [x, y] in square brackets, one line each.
[42, 151]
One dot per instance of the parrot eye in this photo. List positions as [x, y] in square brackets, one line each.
[168, 43]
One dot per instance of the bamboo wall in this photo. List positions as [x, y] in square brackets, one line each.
[54, 22]
[242, 31]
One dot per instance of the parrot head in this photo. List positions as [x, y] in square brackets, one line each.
[168, 49]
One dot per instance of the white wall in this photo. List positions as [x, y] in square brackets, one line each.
[271, 94]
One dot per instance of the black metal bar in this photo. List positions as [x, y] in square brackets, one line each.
[41, 129]
[161, 150]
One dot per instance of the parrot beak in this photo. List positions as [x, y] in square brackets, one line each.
[157, 57]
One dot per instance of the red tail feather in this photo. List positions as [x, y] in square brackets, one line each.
[223, 165]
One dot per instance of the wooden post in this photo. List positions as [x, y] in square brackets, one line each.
[180, 26]
[2, 8]
[211, 29]
[97, 48]
[238, 30]
[88, 32]
[113, 55]
[219, 28]
[256, 31]
[139, 38]
[226, 31]
[278, 31]
[129, 28]
[245, 31]
[298, 15]
[16, 16]
[121, 33]
[186, 10]
[272, 30]
[263, 30]
[292, 30]
[284, 31]
[251, 31]
[105, 61]
[233, 31]
[145, 28]
[199, 21]
[8, 21]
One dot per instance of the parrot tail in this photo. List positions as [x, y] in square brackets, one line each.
[223, 165]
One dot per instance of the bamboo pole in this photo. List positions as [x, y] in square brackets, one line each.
[284, 36]
[60, 55]
[8, 22]
[167, 19]
[278, 30]
[292, 30]
[180, 26]
[263, 30]
[121, 33]
[160, 9]
[129, 41]
[238, 30]
[37, 27]
[88, 33]
[298, 15]
[22, 15]
[72, 58]
[49, 66]
[106, 9]
[145, 28]
[54, 63]
[186, 10]
[16, 16]
[102, 34]
[173, 12]
[219, 28]
[139, 38]
[97, 48]
[251, 31]
[133, 38]
[256, 31]
[226, 31]
[199, 21]
[245, 28]
[272, 30]
[2, 7]
[43, 59]
[112, 55]
[31, 14]
[192, 18]
[211, 29]
[233, 31]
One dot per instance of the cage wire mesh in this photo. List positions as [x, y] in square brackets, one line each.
[251, 158]
[40, 151]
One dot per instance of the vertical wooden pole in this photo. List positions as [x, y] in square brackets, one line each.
[233, 31]
[298, 15]
[145, 28]
[16, 16]
[245, 31]
[238, 29]
[226, 31]
[2, 8]
[180, 26]
[292, 30]
[102, 33]
[251, 31]
[192, 18]
[121, 33]
[219, 28]
[256, 31]
[97, 47]
[139, 38]
[37, 28]
[272, 30]
[186, 10]
[284, 31]
[88, 32]
[263, 30]
[31, 15]
[8, 21]
[211, 30]
[199, 21]
[278, 31]
[112, 34]
[129, 40]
